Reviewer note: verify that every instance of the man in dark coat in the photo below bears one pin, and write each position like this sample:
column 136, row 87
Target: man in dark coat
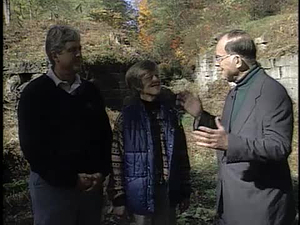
column 66, row 137
column 252, row 139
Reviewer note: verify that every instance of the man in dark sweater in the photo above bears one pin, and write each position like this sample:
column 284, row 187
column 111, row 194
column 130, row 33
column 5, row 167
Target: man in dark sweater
column 66, row 137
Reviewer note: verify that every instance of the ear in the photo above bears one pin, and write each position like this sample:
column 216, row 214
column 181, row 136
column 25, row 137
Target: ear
column 54, row 57
column 238, row 61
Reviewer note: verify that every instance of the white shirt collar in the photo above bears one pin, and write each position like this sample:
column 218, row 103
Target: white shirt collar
column 64, row 84
column 57, row 81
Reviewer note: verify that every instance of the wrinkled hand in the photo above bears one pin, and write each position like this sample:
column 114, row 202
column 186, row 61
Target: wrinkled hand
column 192, row 104
column 212, row 138
column 97, row 180
column 184, row 205
column 119, row 211
column 84, row 181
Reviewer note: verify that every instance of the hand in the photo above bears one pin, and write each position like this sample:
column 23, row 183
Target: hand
column 212, row 138
column 192, row 104
column 84, row 181
column 119, row 211
column 184, row 205
column 97, row 180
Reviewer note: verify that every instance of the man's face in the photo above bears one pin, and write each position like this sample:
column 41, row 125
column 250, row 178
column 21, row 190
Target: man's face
column 69, row 59
column 151, row 84
column 225, row 62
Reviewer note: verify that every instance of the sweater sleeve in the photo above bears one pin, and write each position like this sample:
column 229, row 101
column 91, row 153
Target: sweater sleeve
column 117, row 152
column 184, row 166
column 106, row 138
column 37, row 147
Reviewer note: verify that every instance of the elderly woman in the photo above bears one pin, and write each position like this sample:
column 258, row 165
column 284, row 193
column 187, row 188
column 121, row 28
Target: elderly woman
column 151, row 170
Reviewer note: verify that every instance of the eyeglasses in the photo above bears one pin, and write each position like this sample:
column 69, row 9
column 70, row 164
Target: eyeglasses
column 73, row 50
column 219, row 58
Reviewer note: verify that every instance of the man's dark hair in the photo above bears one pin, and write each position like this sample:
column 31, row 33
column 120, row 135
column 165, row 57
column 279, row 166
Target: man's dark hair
column 135, row 73
column 240, row 43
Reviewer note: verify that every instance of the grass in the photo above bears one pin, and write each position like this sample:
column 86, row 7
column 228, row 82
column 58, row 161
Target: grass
column 17, row 208
column 203, row 175
column 98, row 40
column 279, row 31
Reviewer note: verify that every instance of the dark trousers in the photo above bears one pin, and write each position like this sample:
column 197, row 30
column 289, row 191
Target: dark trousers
column 59, row 206
column 163, row 213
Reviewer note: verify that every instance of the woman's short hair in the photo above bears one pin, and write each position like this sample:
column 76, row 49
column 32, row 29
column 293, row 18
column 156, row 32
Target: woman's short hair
column 135, row 73
column 57, row 37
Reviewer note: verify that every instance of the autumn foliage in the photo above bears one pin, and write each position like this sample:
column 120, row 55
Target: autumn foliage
column 145, row 20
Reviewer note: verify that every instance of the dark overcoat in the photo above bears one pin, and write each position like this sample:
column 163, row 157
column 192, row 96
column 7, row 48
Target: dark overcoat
column 254, row 183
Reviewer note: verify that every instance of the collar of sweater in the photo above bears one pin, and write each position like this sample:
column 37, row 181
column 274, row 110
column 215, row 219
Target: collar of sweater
column 246, row 80
column 58, row 81
column 151, row 106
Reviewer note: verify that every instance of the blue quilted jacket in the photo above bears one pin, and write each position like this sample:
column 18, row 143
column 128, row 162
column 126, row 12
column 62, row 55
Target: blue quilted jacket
column 139, row 161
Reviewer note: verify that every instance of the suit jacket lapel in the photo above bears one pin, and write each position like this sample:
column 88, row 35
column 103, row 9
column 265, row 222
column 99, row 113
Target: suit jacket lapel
column 227, row 110
column 225, row 120
column 253, row 94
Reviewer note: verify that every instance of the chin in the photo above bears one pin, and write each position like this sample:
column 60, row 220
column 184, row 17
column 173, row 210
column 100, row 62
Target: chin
column 224, row 77
column 158, row 91
column 77, row 69
column 155, row 93
column 227, row 77
column 229, row 80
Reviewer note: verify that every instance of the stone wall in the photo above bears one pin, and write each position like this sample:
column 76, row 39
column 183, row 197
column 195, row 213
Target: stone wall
column 283, row 69
column 110, row 79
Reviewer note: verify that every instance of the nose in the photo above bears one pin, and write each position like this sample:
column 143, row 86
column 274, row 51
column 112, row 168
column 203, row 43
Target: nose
column 155, row 77
column 78, row 53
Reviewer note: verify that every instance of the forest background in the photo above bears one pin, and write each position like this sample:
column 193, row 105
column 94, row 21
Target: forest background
column 173, row 33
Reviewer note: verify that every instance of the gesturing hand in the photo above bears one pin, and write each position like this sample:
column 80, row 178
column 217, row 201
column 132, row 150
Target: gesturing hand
column 212, row 138
column 84, row 181
column 97, row 180
column 192, row 104
column 119, row 211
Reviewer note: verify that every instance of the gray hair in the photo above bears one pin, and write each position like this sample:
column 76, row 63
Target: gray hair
column 135, row 73
column 57, row 37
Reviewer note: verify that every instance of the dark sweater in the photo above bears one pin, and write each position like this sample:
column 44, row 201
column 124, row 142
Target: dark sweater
column 240, row 91
column 61, row 134
column 153, row 109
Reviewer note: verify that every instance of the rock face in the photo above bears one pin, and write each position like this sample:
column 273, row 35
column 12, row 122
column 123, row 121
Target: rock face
column 283, row 69
column 110, row 79
column 16, row 76
column 25, row 67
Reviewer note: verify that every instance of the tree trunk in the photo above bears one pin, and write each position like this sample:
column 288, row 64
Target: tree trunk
column 6, row 9
column 30, row 10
